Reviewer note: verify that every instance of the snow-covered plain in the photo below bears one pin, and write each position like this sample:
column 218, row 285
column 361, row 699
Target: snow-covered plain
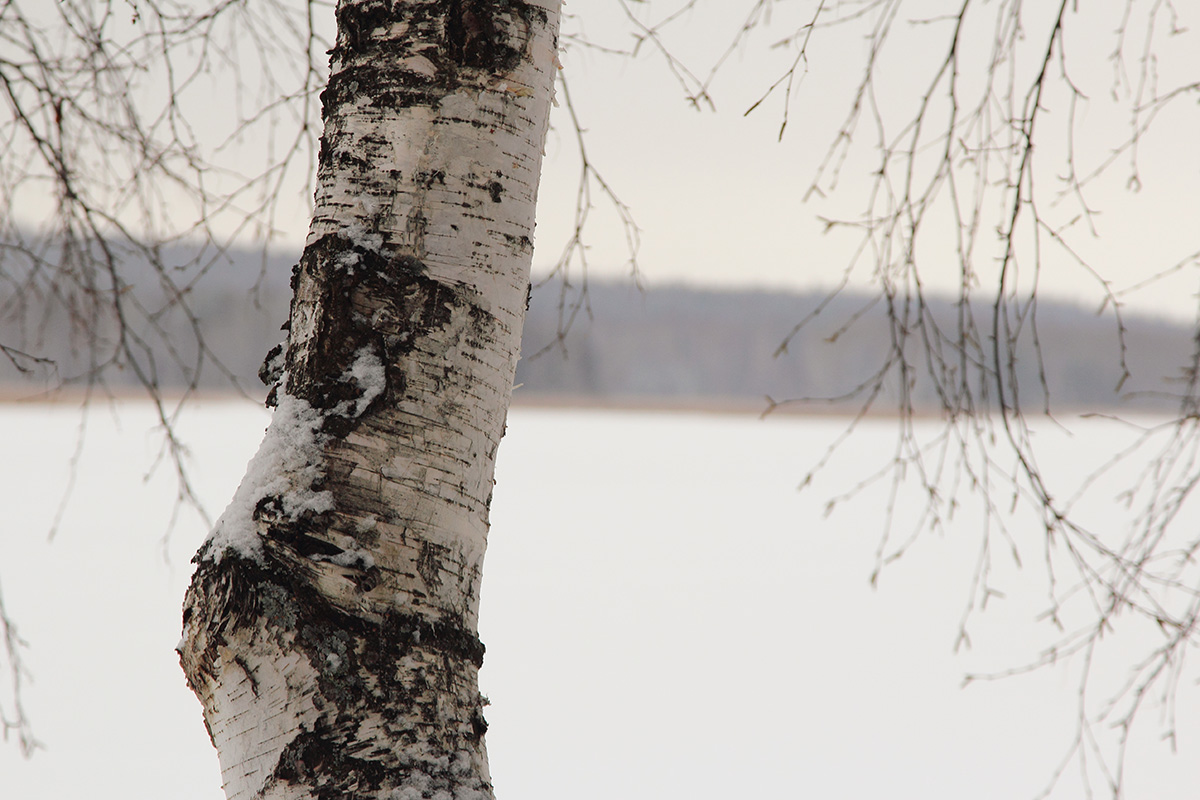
column 665, row 615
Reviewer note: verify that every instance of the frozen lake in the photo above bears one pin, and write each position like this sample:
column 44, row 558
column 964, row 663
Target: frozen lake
column 665, row 616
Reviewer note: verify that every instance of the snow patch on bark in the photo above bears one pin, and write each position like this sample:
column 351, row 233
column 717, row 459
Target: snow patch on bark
column 354, row 559
column 287, row 465
column 357, row 233
column 289, row 462
column 367, row 371
column 420, row 787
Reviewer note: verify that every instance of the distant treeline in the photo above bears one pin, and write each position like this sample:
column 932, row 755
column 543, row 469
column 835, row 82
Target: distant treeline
column 676, row 342
column 665, row 345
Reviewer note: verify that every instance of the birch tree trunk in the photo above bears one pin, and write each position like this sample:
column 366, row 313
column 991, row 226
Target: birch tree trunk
column 330, row 628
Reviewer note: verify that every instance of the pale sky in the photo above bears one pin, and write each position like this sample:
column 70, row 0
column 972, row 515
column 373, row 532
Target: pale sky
column 719, row 200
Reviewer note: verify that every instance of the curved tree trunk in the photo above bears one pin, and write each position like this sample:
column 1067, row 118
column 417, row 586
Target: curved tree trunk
column 330, row 628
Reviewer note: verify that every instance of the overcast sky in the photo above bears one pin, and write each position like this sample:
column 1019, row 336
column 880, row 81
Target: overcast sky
column 720, row 200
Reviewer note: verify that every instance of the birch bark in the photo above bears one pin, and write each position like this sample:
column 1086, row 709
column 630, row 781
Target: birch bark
column 330, row 627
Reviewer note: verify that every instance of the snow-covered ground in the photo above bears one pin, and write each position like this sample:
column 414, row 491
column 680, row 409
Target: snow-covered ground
column 665, row 615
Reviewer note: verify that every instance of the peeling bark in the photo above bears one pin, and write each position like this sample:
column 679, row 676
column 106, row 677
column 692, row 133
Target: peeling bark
column 330, row 628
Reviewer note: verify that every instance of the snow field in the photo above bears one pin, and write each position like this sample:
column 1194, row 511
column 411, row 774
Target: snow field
column 665, row 616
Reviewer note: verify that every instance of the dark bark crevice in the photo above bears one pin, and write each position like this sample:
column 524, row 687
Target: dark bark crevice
column 490, row 36
column 356, row 661
column 243, row 590
column 458, row 41
column 381, row 301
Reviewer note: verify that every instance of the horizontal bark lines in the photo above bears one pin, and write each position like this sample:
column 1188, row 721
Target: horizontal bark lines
column 338, row 656
column 328, row 703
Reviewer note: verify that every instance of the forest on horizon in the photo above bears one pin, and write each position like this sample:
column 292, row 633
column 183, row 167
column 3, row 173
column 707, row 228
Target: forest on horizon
column 616, row 343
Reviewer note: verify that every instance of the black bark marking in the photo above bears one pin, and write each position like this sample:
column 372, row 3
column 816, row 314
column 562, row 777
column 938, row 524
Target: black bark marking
column 320, row 757
column 272, row 366
column 305, row 545
column 429, row 564
column 463, row 40
column 488, row 35
column 479, row 725
column 303, row 533
column 241, row 662
column 427, row 179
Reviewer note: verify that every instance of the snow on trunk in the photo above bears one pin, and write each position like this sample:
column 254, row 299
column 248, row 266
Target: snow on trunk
column 330, row 628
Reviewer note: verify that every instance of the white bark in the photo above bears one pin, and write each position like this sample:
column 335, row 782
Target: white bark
column 330, row 631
